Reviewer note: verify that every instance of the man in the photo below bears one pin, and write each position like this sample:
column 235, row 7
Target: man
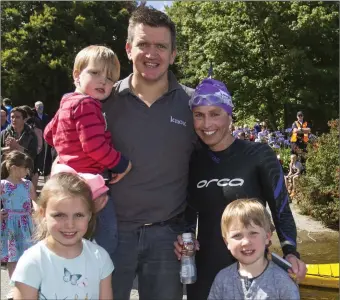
column 44, row 160
column 19, row 136
column 4, row 122
column 151, row 123
column 39, row 109
column 8, row 105
column 300, row 134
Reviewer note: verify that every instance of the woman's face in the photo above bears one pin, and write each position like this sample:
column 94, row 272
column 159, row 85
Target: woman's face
column 212, row 125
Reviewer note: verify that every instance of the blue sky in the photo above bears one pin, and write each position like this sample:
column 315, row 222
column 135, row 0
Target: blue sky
column 158, row 4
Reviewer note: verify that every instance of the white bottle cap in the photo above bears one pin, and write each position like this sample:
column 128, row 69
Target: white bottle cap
column 187, row 236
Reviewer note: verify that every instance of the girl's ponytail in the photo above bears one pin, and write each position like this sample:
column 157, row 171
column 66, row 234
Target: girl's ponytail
column 4, row 170
column 14, row 158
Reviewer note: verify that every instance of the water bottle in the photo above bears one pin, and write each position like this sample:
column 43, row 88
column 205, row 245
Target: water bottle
column 188, row 267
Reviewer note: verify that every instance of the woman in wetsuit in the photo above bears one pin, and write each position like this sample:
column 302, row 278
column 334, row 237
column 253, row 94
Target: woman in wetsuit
column 225, row 169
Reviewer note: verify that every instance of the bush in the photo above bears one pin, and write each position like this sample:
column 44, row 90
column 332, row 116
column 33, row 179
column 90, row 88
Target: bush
column 317, row 192
column 284, row 156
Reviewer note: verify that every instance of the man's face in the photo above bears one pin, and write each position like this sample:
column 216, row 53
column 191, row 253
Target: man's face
column 300, row 117
column 151, row 52
column 39, row 108
column 17, row 119
column 3, row 117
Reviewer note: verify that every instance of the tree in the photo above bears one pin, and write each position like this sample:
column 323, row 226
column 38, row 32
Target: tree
column 268, row 53
column 40, row 41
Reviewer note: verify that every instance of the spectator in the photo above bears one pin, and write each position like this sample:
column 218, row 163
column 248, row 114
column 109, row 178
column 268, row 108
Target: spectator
column 4, row 122
column 18, row 135
column 39, row 111
column 300, row 134
column 241, row 135
column 45, row 156
column 295, row 170
column 34, row 123
column 8, row 105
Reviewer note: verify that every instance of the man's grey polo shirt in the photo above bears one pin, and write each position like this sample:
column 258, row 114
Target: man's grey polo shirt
column 159, row 141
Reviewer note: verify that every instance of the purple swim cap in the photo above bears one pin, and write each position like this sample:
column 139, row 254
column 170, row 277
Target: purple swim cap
column 211, row 92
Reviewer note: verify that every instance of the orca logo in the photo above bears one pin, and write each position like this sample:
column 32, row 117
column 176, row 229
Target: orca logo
column 221, row 182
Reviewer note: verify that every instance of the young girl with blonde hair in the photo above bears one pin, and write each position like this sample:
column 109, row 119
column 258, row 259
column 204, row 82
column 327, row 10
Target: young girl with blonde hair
column 63, row 264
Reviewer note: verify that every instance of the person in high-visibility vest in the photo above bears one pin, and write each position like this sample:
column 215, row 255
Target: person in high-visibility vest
column 300, row 134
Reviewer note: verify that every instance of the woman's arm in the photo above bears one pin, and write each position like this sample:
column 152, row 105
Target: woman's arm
column 24, row 292
column 105, row 290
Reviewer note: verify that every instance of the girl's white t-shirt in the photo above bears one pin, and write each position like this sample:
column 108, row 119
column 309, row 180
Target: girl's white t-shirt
column 60, row 278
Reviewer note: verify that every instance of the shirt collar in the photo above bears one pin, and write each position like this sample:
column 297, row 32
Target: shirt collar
column 124, row 86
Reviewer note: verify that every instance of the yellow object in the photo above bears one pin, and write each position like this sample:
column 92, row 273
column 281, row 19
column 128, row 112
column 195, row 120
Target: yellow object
column 322, row 275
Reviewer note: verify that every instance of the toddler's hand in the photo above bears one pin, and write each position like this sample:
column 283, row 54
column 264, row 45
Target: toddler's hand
column 116, row 177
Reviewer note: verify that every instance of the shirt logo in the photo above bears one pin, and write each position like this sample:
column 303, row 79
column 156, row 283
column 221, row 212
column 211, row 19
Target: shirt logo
column 176, row 121
column 221, row 182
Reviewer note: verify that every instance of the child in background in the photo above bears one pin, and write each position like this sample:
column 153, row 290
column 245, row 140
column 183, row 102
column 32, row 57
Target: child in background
column 295, row 170
column 247, row 230
column 64, row 265
column 79, row 134
column 16, row 195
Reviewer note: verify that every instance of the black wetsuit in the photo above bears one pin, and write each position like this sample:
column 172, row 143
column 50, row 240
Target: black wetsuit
column 244, row 170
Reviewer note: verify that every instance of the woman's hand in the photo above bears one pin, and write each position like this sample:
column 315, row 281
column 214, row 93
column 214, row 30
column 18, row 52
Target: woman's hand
column 298, row 267
column 179, row 245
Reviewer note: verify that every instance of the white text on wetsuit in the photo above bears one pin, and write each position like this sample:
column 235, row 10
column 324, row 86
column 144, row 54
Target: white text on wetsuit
column 221, row 182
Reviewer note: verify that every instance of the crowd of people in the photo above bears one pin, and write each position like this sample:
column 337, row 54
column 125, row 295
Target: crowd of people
column 139, row 162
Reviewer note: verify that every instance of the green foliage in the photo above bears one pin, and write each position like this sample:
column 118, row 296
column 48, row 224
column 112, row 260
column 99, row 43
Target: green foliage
column 268, row 53
column 318, row 190
column 284, row 156
column 40, row 41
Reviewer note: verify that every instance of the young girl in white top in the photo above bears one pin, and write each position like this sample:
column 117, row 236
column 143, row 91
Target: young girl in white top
column 64, row 265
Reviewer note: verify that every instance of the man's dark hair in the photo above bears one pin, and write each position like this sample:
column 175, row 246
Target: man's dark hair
column 7, row 101
column 29, row 111
column 20, row 110
column 4, row 109
column 153, row 18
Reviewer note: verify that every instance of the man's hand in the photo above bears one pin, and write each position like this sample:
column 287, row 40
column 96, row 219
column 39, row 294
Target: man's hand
column 179, row 245
column 298, row 267
column 100, row 202
column 116, row 177
column 12, row 143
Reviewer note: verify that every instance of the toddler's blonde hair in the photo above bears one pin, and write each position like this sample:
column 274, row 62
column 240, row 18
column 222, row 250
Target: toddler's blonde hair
column 98, row 53
column 246, row 211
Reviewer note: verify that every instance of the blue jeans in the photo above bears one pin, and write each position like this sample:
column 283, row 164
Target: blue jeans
column 149, row 253
column 105, row 233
